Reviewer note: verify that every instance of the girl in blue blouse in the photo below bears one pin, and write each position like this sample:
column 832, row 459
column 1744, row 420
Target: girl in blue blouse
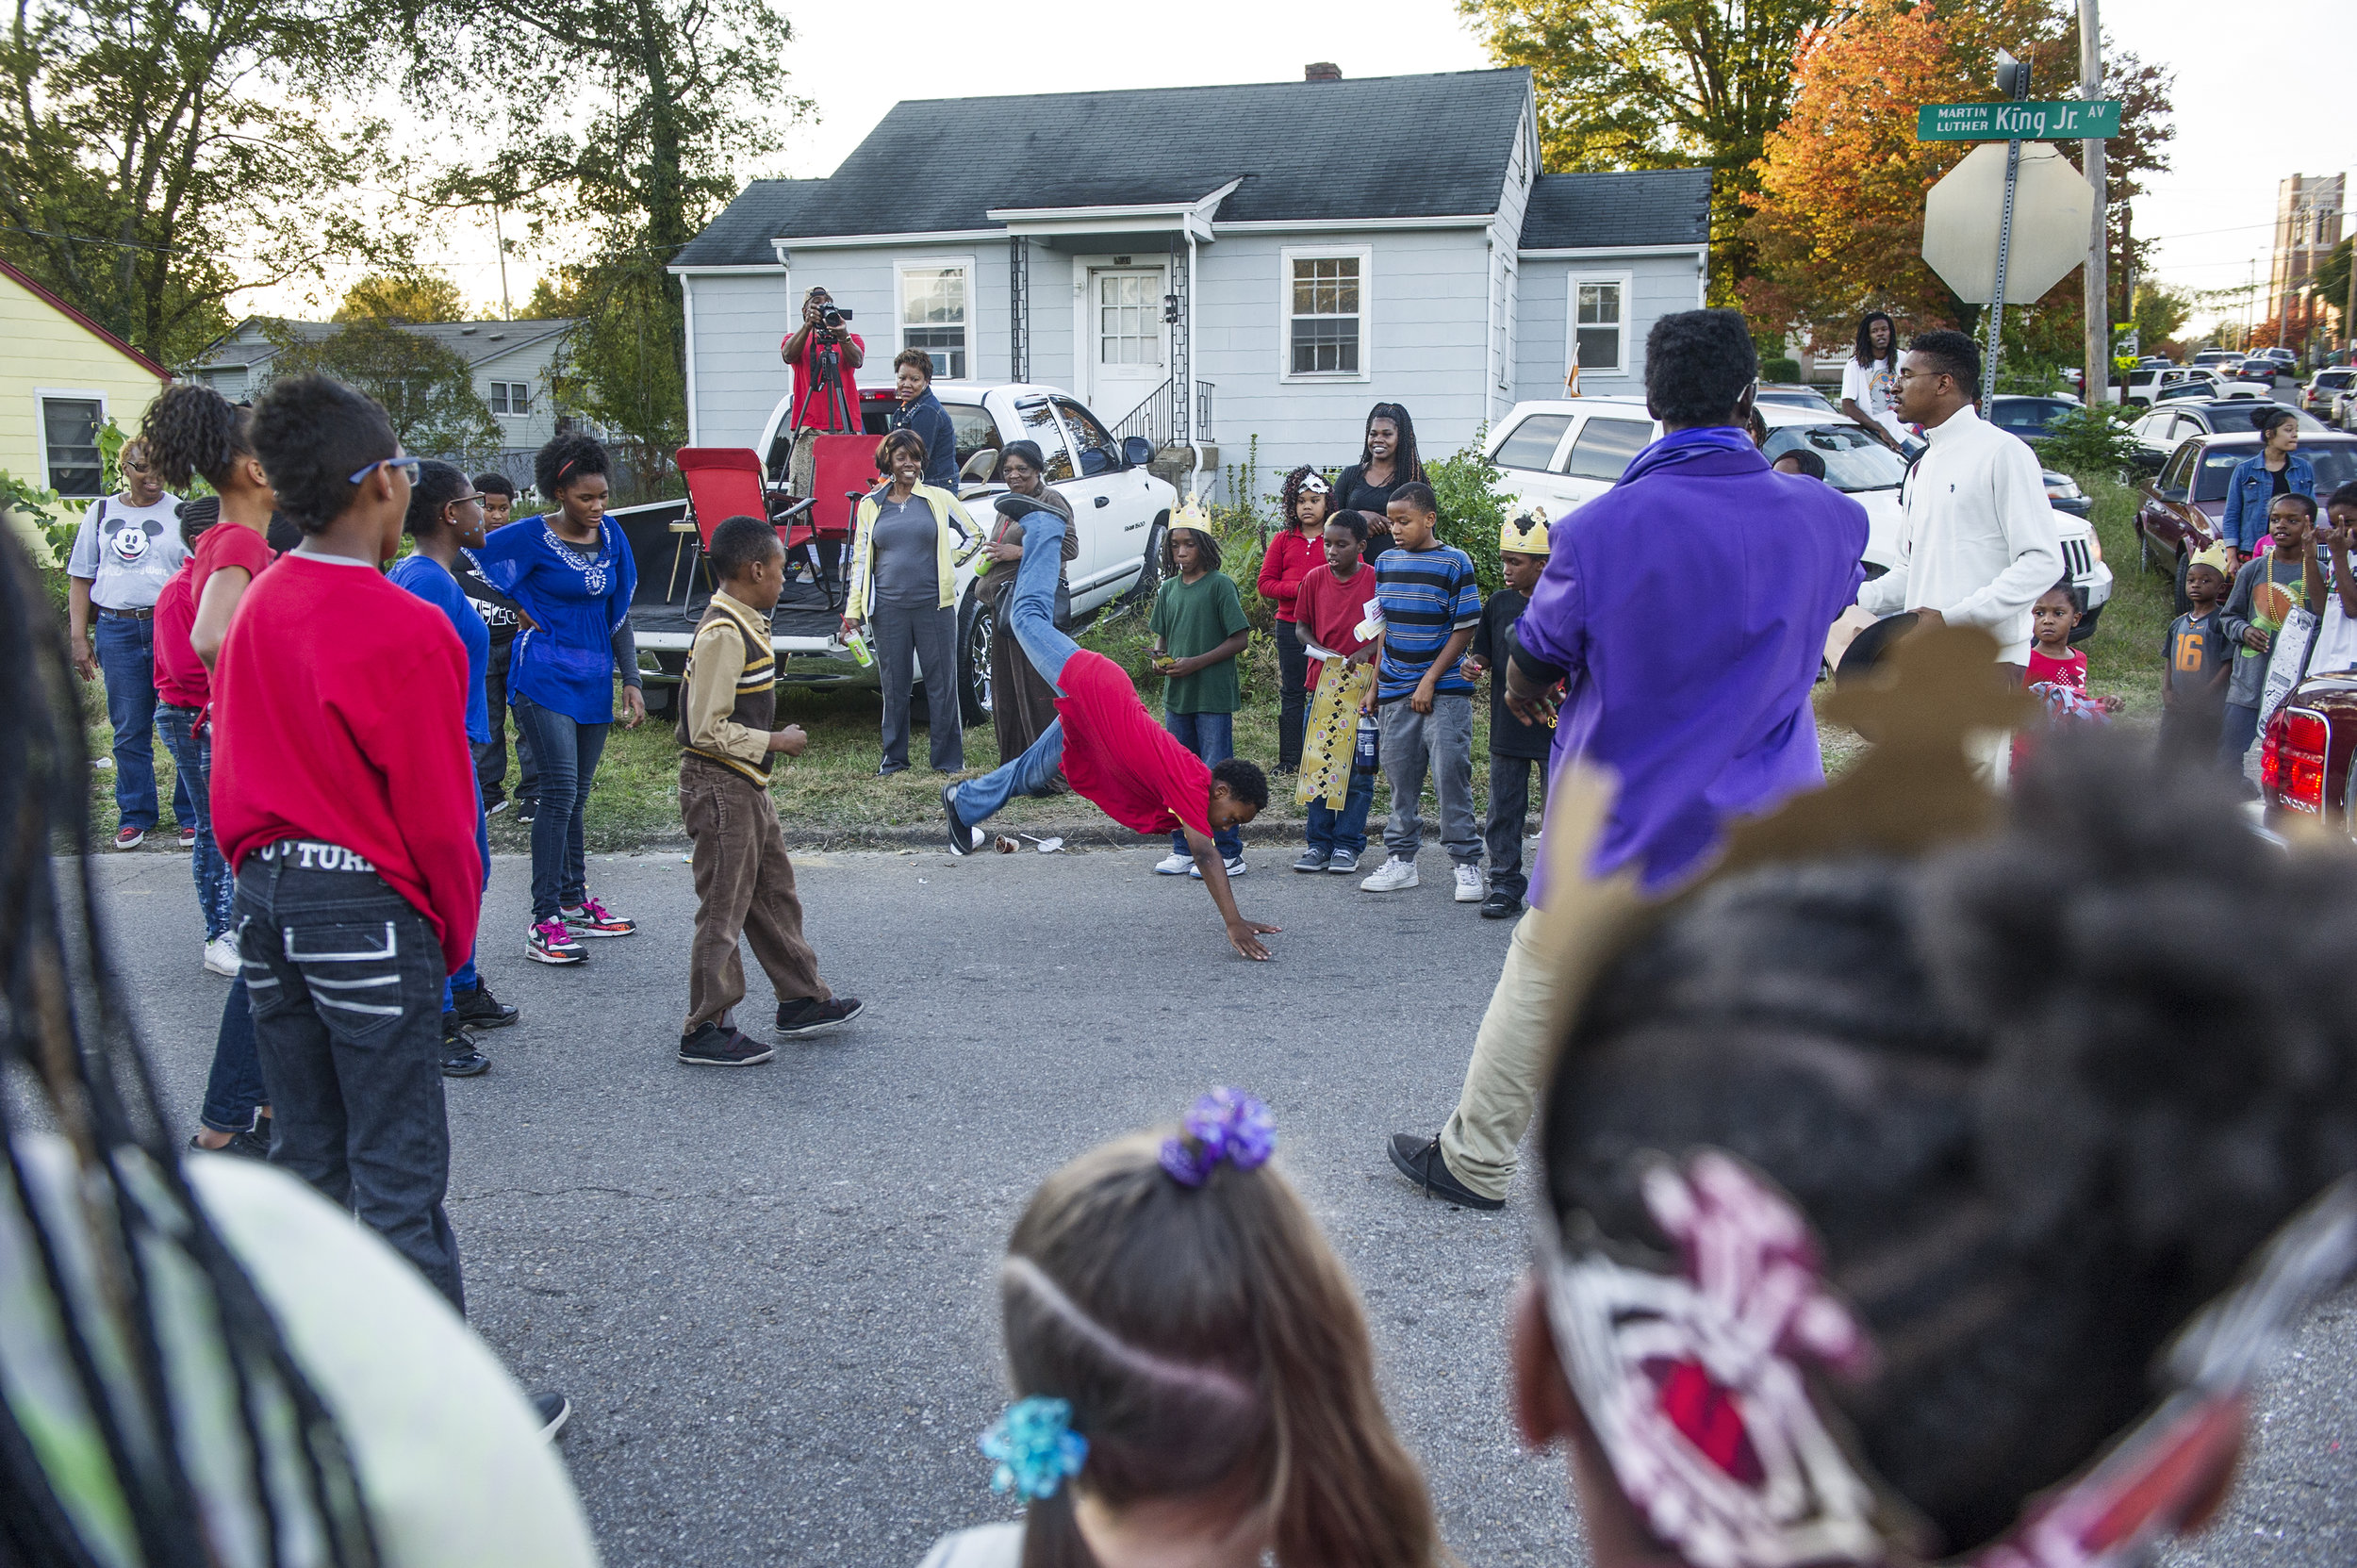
column 572, row 572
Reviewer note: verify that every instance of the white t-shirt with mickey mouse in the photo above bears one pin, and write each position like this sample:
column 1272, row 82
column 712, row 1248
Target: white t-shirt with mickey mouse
column 127, row 554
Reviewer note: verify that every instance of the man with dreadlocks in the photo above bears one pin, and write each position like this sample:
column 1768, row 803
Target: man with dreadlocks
column 172, row 1333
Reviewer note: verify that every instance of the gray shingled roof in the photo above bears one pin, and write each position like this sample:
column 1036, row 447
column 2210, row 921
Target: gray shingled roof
column 1645, row 206
column 1307, row 152
column 474, row 341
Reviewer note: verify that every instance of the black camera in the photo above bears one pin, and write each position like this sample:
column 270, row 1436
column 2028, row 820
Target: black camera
column 833, row 317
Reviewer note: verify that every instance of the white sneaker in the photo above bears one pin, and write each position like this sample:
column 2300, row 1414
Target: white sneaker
column 1471, row 889
column 1174, row 866
column 1236, row 867
column 221, row 955
column 1392, row 876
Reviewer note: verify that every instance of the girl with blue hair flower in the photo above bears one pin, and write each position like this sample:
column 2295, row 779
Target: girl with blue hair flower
column 1191, row 1371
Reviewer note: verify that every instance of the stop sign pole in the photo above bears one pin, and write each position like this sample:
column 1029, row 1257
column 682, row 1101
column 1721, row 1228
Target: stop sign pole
column 2013, row 82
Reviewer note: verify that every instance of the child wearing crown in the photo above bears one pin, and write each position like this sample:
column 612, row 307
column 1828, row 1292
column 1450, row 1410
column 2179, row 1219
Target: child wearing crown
column 1516, row 745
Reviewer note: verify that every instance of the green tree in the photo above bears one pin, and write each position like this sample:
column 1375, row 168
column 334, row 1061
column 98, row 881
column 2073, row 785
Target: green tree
column 2159, row 313
column 157, row 156
column 402, row 296
column 622, row 367
column 426, row 389
column 1659, row 85
column 2331, row 281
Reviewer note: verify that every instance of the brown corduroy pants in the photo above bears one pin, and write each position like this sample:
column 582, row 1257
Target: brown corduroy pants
column 744, row 888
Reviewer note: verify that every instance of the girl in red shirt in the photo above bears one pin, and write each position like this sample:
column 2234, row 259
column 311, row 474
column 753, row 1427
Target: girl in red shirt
column 1287, row 559
column 193, row 429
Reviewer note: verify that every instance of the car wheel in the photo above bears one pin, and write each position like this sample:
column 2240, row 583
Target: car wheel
column 2144, row 550
column 1150, row 574
column 2184, row 564
column 977, row 626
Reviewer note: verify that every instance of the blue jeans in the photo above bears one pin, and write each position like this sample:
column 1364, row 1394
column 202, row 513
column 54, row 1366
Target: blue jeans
column 464, row 978
column 567, row 752
column 1330, row 830
column 346, row 978
column 1032, row 617
column 193, row 758
column 234, row 1089
column 1212, row 737
column 126, row 656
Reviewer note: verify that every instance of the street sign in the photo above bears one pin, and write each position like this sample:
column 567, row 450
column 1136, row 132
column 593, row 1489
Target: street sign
column 2072, row 120
column 1964, row 213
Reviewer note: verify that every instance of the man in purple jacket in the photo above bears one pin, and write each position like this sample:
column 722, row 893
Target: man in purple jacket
column 1687, row 609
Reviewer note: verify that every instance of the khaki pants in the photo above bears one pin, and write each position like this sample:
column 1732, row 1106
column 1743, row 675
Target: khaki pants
column 1510, row 1056
column 744, row 887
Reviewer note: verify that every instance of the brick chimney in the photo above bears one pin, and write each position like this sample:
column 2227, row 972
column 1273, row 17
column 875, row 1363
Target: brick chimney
column 1322, row 71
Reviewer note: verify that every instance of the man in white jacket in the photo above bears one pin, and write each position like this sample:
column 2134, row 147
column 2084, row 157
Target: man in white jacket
column 1980, row 544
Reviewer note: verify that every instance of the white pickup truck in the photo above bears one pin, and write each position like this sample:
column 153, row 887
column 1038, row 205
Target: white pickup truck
column 1120, row 511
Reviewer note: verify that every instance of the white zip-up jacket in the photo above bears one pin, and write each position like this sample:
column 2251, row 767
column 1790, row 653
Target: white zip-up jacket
column 1980, row 543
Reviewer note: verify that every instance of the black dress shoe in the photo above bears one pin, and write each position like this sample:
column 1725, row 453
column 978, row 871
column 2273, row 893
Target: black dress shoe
column 1418, row 1159
column 1500, row 906
column 479, row 1009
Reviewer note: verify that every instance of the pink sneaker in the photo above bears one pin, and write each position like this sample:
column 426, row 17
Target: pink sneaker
column 550, row 942
column 592, row 918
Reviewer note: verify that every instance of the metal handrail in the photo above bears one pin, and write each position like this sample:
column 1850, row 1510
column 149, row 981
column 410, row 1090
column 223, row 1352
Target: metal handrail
column 1157, row 417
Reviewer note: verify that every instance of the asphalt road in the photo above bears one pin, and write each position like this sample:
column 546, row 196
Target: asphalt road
column 769, row 1290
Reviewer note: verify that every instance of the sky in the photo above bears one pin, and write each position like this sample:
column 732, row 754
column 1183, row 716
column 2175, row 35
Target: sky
column 2212, row 213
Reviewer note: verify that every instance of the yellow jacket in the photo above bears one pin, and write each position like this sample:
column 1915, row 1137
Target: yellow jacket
column 945, row 535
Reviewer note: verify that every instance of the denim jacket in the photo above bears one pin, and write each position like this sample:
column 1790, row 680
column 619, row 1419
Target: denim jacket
column 2250, row 492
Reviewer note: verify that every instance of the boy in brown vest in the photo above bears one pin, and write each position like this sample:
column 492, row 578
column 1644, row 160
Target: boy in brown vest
column 744, row 883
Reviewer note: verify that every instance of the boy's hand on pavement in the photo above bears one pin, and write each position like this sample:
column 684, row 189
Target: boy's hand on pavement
column 791, row 741
column 1244, row 935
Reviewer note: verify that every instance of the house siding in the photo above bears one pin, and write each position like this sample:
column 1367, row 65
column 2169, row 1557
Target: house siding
column 1659, row 285
column 44, row 349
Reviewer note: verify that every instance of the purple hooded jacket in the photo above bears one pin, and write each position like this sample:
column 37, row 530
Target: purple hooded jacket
column 1689, row 607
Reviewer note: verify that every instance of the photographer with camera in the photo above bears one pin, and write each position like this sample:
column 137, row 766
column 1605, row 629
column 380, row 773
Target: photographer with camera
column 824, row 352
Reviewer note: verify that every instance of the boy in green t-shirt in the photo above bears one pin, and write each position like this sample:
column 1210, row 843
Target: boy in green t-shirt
column 1199, row 628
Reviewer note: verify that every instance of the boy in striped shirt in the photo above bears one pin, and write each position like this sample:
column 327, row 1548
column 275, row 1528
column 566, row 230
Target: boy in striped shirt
column 1431, row 604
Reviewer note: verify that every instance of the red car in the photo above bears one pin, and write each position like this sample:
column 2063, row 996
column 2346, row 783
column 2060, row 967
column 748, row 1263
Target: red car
column 2304, row 753
column 2178, row 515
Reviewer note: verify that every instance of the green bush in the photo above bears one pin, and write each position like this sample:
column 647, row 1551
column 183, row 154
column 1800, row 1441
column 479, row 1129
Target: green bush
column 1779, row 370
column 1472, row 503
column 2094, row 439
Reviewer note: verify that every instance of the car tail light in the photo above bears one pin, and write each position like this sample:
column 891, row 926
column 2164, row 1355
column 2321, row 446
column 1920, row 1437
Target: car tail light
column 2291, row 760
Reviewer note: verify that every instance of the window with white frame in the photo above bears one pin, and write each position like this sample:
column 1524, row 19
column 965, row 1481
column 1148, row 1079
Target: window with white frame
column 1599, row 323
column 1326, row 313
column 933, row 314
column 69, row 424
column 511, row 397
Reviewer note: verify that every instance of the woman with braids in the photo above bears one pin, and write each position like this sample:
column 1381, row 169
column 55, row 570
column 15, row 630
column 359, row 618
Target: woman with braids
column 201, row 1362
column 1386, row 461
column 1192, row 1377
column 191, row 430
column 1299, row 546
column 573, row 574
column 1876, row 1192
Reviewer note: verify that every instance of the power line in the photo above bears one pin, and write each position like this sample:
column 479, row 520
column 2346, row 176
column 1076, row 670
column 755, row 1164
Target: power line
column 91, row 239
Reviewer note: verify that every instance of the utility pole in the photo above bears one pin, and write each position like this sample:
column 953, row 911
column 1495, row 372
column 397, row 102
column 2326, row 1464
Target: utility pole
column 2097, row 294
column 507, row 311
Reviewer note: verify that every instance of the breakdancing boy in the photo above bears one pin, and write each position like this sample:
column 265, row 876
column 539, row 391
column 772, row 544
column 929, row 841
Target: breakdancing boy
column 1108, row 748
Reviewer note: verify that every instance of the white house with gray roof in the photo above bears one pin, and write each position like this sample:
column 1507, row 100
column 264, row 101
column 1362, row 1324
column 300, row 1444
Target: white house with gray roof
column 510, row 361
column 1210, row 263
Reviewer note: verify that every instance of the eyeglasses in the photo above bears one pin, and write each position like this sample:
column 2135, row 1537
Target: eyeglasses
column 462, row 500
column 408, row 465
column 130, row 467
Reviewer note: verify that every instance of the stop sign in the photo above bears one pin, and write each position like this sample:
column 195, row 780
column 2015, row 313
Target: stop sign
column 2051, row 210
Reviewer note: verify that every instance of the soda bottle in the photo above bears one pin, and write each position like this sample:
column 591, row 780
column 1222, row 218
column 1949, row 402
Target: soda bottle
column 857, row 643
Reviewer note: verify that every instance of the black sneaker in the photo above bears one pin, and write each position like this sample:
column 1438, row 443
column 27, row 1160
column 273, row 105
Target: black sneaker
column 459, row 1057
column 806, row 1016
column 479, row 1009
column 1418, row 1159
column 524, row 810
column 710, row 1046
column 553, row 1409
column 252, row 1144
column 1500, row 906
column 961, row 836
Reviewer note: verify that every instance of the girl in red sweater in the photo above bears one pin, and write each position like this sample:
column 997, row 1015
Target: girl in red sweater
column 1287, row 559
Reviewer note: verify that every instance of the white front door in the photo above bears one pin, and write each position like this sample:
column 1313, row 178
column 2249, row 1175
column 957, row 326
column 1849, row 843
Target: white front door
column 1128, row 346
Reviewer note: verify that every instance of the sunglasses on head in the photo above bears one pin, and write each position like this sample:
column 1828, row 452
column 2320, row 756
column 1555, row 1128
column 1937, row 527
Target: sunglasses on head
column 408, row 465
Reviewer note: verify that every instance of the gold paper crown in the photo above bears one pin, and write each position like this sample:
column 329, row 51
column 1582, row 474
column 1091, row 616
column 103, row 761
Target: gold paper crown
column 1524, row 533
column 1192, row 514
column 1912, row 793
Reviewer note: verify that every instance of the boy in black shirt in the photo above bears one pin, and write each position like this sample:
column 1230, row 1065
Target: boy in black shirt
column 1514, row 746
column 2193, row 687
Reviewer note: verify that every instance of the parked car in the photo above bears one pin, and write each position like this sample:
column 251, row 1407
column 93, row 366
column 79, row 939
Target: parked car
column 1794, row 394
column 2154, row 362
column 2178, row 512
column 2027, row 417
column 1120, row 513
column 2306, row 751
column 2216, row 358
column 2158, row 433
column 2146, row 383
column 2344, row 412
column 1561, row 453
column 2210, row 391
column 2316, row 397
column 2279, row 357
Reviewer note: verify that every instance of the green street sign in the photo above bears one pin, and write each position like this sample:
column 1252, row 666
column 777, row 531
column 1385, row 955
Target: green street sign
column 2070, row 120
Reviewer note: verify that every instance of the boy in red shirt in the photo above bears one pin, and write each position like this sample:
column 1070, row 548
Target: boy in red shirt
column 343, row 797
column 1107, row 747
column 1334, row 600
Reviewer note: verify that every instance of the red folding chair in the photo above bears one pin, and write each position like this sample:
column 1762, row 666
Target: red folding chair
column 727, row 482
